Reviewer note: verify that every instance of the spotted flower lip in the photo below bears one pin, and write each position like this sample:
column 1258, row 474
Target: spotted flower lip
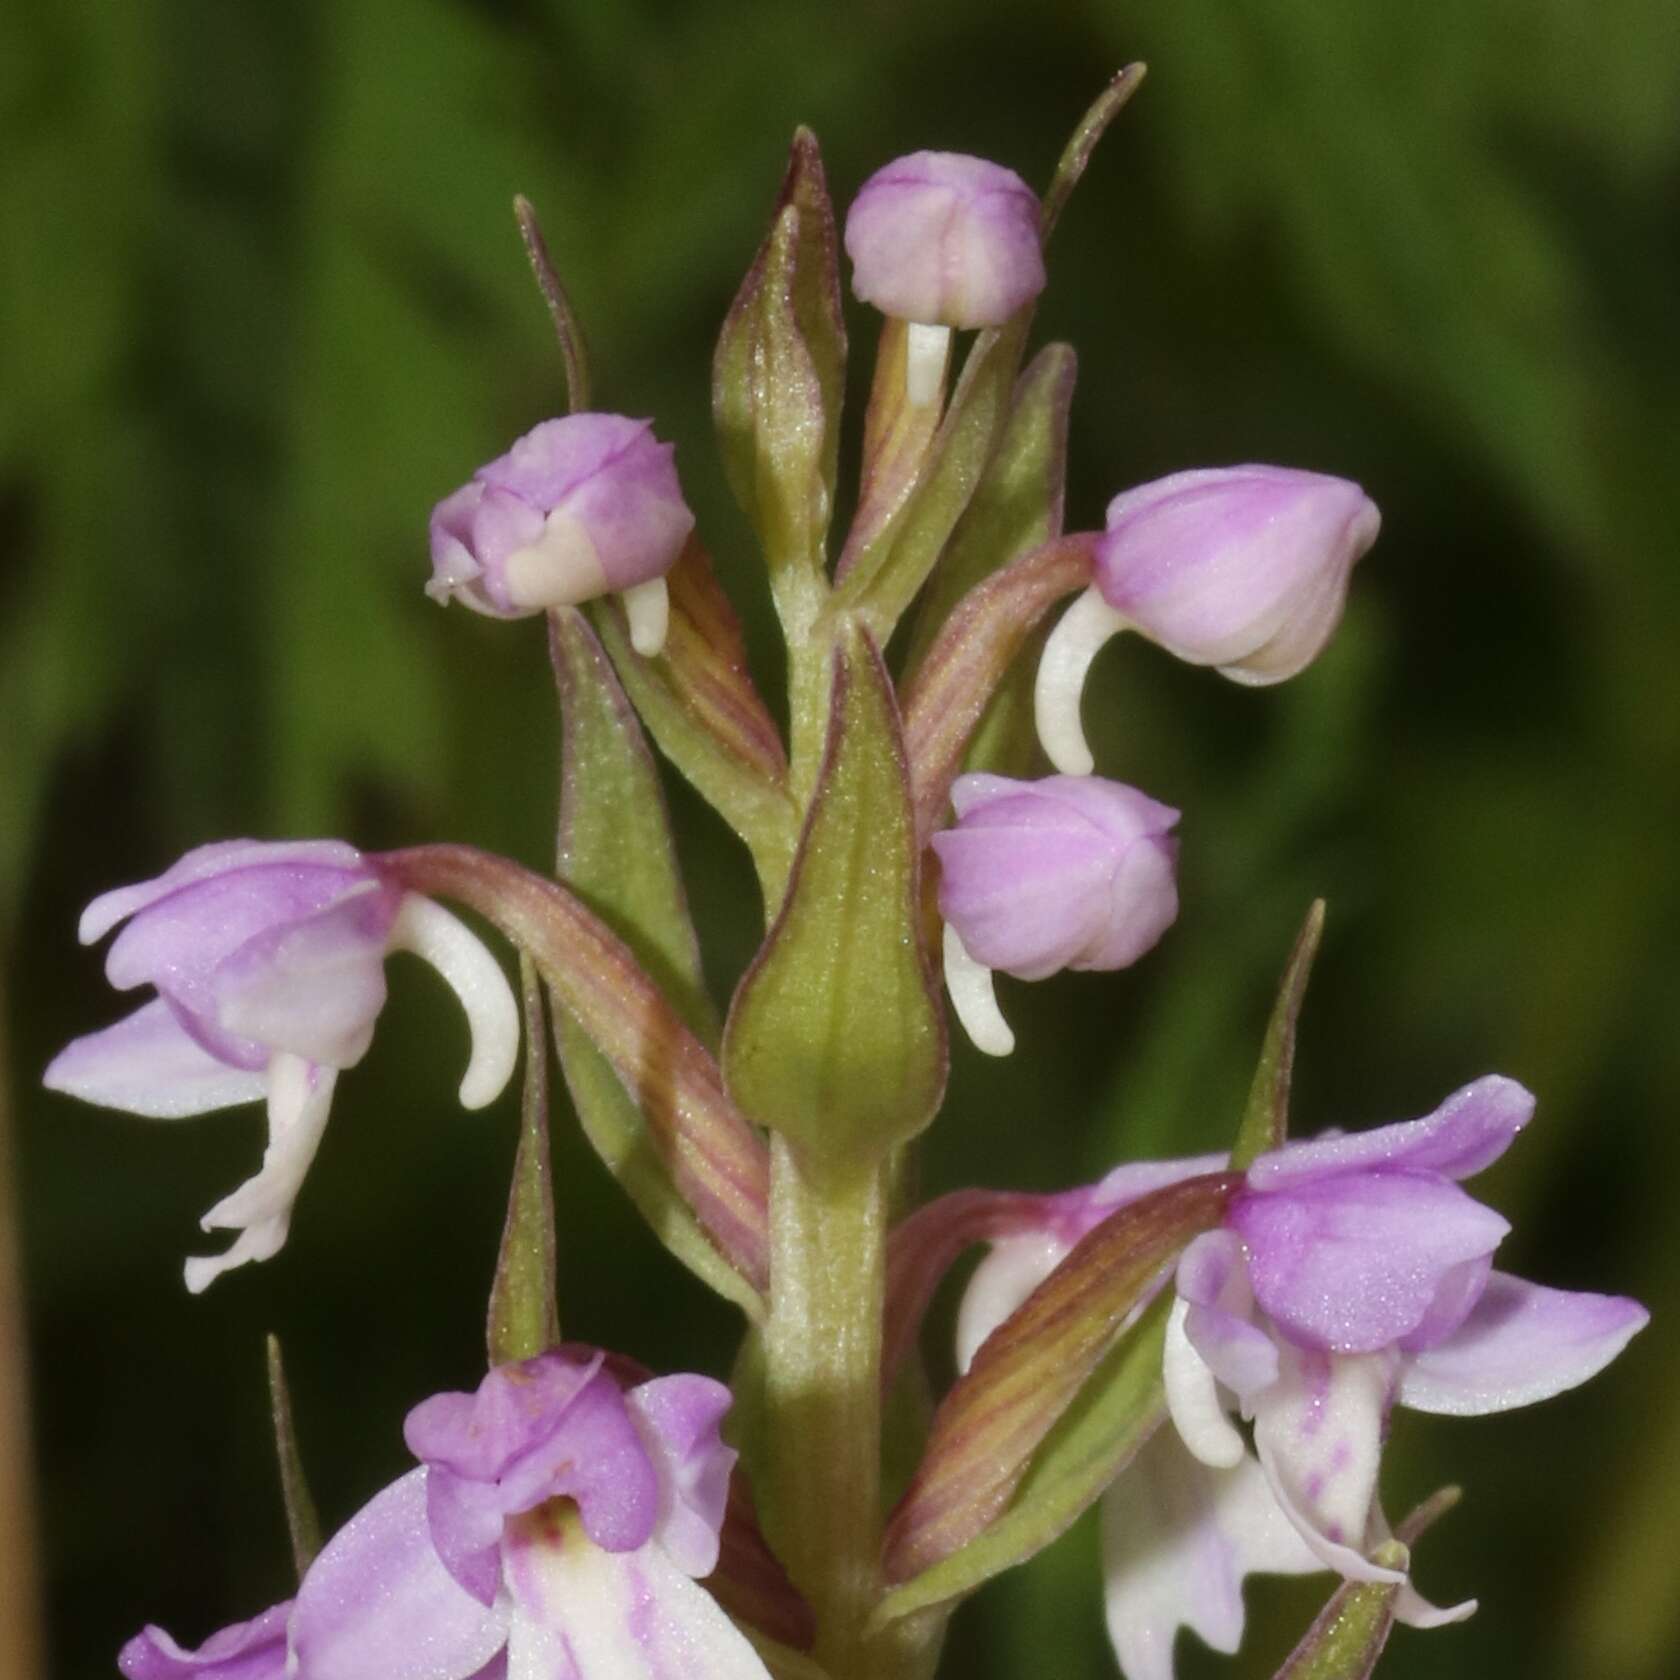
column 1065, row 872
column 1243, row 568
column 268, row 962
column 945, row 239
column 579, row 507
column 557, row 1524
column 1351, row 1274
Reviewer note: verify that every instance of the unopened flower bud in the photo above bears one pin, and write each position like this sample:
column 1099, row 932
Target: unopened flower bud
column 943, row 240
column 1242, row 568
column 1068, row 872
column 579, row 507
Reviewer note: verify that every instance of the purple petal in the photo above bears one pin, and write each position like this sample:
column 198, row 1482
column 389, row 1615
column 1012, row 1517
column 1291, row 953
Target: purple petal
column 1457, row 1293
column 179, row 943
column 1522, row 1343
column 1318, row 1430
column 534, row 1432
column 254, row 1650
column 678, row 1418
column 218, row 858
column 1178, row 1539
column 148, row 1064
column 1355, row 1261
column 1470, row 1130
column 379, row 1602
column 579, row 1613
column 313, row 985
column 1213, row 1282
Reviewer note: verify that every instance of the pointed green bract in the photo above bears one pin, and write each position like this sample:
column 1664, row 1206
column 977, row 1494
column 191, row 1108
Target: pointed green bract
column 778, row 378
column 566, row 329
column 1077, row 153
column 886, row 576
column 1265, row 1121
column 1018, row 504
column 303, row 1525
column 698, row 699
column 610, row 791
column 1031, row 1369
column 524, row 1317
column 1091, row 1443
column 836, row 1038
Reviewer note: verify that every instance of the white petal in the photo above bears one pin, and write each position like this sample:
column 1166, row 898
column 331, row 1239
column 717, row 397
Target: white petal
column 973, row 997
column 1078, row 637
column 580, row 1613
column 299, row 1100
column 149, row 1064
column 1193, row 1398
column 647, row 607
column 476, row 978
column 1178, row 1539
column 1001, row 1282
column 561, row 568
column 1412, row 1608
column 1318, row 1430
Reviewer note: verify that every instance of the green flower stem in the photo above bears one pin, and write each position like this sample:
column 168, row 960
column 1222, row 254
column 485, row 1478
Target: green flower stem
column 828, row 1224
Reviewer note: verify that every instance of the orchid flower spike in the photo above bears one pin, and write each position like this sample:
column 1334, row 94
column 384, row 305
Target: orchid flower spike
column 268, row 959
column 943, row 240
column 557, row 1525
column 1351, row 1273
column 1067, row 872
column 1242, row 568
column 578, row 507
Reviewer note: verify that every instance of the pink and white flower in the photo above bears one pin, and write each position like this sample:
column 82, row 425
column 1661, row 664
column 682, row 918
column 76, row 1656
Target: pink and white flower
column 268, row 959
column 579, row 507
column 1351, row 1274
column 557, row 1526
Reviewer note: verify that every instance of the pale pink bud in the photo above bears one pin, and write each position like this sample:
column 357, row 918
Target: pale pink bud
column 1242, row 568
column 1068, row 872
column 579, row 507
column 944, row 239
column 1245, row 568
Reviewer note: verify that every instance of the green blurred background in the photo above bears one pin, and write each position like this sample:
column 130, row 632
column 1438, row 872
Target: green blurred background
column 263, row 303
